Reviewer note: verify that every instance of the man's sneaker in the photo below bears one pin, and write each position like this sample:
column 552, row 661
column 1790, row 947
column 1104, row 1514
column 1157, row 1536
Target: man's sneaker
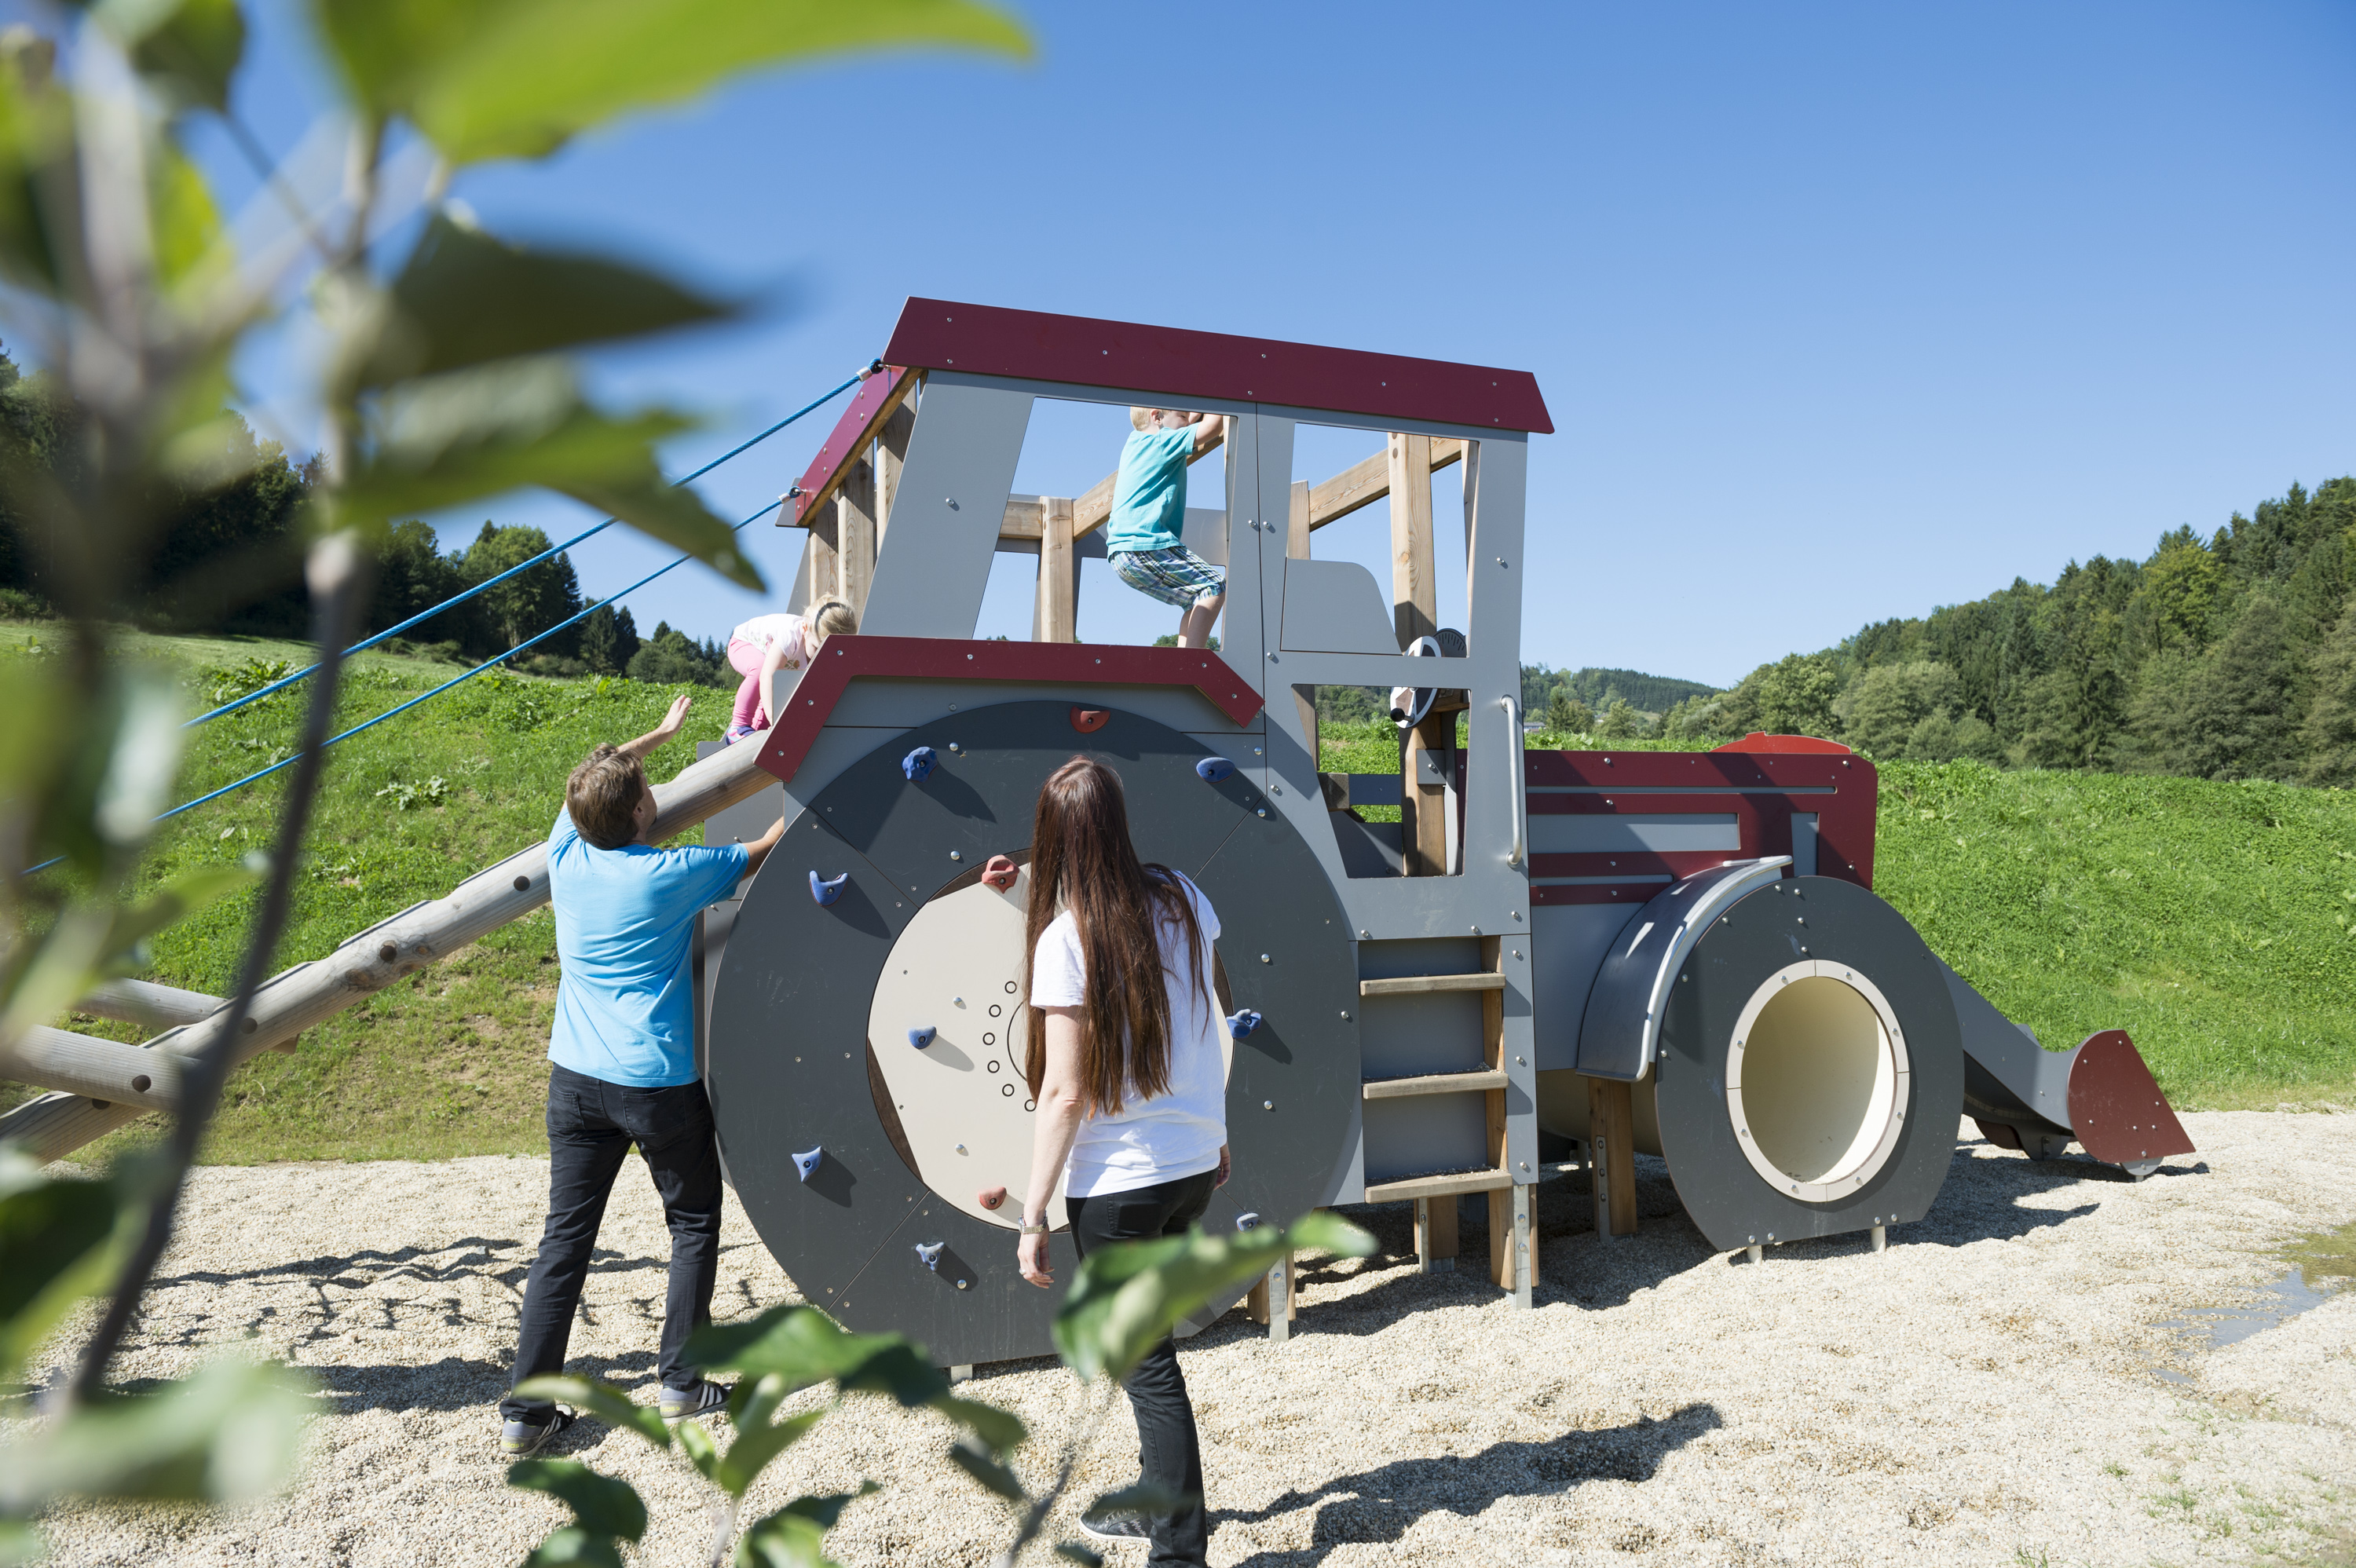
column 678, row 1403
column 1129, row 1529
column 525, row 1438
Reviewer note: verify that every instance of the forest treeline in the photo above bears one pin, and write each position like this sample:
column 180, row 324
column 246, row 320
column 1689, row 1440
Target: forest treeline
column 226, row 556
column 2232, row 656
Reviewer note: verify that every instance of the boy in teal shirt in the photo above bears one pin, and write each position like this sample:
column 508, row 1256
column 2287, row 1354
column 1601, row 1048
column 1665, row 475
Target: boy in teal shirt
column 1143, row 537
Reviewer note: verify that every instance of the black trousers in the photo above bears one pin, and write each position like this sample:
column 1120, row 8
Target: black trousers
column 591, row 1125
column 1168, row 1452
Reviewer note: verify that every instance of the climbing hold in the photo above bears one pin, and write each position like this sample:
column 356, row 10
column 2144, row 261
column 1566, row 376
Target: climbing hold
column 991, row 1198
column 1247, row 1221
column 826, row 890
column 1242, row 1024
column 1213, row 769
column 1088, row 721
column 805, row 1163
column 1000, row 872
column 921, row 1037
column 919, row 763
column 929, row 1254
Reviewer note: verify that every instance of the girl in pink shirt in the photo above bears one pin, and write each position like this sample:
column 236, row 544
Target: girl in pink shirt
column 769, row 646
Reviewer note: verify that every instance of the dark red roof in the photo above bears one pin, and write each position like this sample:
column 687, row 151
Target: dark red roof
column 985, row 340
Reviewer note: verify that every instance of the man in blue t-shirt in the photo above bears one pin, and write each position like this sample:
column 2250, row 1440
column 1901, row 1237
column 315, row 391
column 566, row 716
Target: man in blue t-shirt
column 1144, row 533
column 622, row 1066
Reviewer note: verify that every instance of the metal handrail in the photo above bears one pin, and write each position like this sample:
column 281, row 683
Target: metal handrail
column 1518, row 797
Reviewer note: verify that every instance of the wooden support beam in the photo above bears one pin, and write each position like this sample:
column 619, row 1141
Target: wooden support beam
column 1365, row 483
column 1432, row 1084
column 1612, row 1162
column 1502, row 1254
column 1437, row 1186
column 100, row 1070
column 1415, row 601
column 1423, row 984
column 1435, row 1234
column 293, row 1000
column 856, row 534
column 1423, row 803
column 1056, row 612
column 145, row 1002
column 891, row 456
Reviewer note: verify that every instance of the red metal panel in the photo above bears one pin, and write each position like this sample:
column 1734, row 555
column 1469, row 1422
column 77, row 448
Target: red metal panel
column 1675, row 782
column 849, row 658
column 2117, row 1111
column 985, row 340
column 850, row 437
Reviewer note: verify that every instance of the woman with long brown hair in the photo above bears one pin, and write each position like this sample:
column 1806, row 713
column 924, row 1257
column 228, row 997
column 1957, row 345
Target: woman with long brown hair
column 1130, row 1074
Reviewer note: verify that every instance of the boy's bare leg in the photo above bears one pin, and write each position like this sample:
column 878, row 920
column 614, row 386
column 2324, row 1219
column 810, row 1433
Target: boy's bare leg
column 1194, row 630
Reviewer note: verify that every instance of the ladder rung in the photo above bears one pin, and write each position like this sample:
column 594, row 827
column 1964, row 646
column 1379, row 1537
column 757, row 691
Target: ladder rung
column 1433, row 1083
column 1438, row 1186
column 1419, row 985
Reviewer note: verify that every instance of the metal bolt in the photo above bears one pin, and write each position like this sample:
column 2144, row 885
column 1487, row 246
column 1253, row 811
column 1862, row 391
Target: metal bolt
column 955, row 855
column 960, row 1148
column 961, row 1285
column 1264, row 959
column 1261, row 812
column 1268, row 1104
column 1345, row 1017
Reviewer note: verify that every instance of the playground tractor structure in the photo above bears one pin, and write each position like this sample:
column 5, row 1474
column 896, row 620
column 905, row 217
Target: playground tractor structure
column 1553, row 958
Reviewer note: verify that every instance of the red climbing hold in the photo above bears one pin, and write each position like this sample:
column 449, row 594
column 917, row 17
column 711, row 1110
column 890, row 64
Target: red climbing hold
column 999, row 873
column 992, row 1197
column 1088, row 721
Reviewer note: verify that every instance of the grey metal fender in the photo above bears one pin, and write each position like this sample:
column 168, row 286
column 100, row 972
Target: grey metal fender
column 1619, row 1032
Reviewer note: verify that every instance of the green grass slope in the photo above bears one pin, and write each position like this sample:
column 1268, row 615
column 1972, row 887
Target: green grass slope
column 2210, row 921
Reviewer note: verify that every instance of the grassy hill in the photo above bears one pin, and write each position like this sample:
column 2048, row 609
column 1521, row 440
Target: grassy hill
column 2212, row 921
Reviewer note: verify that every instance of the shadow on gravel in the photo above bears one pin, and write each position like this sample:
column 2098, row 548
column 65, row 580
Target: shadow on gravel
column 1382, row 1504
column 455, row 1382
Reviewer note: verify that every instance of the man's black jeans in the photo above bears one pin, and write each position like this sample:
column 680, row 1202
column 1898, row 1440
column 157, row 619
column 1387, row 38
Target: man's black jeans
column 1168, row 1452
column 591, row 1125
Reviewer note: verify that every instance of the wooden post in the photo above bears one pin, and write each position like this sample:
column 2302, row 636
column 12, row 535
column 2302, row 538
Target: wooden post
column 1424, row 802
column 891, row 456
column 1611, row 1159
column 1502, row 1253
column 1415, row 602
column 1296, row 547
column 1057, row 604
column 855, row 534
column 1435, row 1234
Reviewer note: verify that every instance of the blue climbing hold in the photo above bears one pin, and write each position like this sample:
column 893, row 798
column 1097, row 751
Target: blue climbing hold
column 805, row 1163
column 919, row 763
column 929, row 1253
column 1213, row 769
column 826, row 890
column 1242, row 1024
column 1247, row 1221
column 921, row 1037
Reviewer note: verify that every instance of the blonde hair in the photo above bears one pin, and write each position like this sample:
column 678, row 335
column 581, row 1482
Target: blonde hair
column 829, row 616
column 602, row 796
column 1142, row 419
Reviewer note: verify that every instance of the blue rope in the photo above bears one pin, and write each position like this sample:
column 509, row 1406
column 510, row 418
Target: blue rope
column 456, row 600
column 389, row 713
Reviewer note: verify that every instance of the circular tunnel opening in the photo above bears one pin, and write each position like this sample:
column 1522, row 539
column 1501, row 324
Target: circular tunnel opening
column 1816, row 1085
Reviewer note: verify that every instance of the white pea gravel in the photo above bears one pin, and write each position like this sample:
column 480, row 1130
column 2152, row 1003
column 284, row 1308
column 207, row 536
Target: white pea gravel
column 1986, row 1391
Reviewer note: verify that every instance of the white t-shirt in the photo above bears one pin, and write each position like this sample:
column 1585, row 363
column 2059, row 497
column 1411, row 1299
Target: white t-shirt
column 1174, row 1134
column 765, row 631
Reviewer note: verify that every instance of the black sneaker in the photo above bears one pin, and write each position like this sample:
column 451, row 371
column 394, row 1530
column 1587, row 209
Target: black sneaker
column 706, row 1396
column 522, row 1439
column 1131, row 1528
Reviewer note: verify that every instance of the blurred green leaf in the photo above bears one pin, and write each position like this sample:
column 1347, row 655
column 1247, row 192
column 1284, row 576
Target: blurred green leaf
column 95, row 942
column 602, row 1504
column 20, row 1542
column 470, row 433
column 466, row 298
column 574, row 1544
column 800, row 1345
column 603, row 1401
column 184, row 223
column 1139, row 1502
column 491, row 79
column 189, row 48
column 755, row 1447
column 702, row 1450
column 53, row 1251
column 1128, row 1296
column 998, row 1430
column 230, row 1434
column 38, row 245
column 1073, row 1552
column 988, row 1471
column 795, row 1536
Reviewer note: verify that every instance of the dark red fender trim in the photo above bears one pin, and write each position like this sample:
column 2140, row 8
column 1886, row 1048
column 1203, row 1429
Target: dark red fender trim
column 1760, row 740
column 848, row 659
column 2117, row 1111
column 1761, row 789
column 877, row 398
column 985, row 340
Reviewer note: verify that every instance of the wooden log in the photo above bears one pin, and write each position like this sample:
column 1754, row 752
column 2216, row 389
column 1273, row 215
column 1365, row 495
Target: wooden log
column 1611, row 1166
column 1436, row 1245
column 1415, row 603
column 294, row 999
column 891, row 456
column 82, row 1065
column 1423, row 984
column 1056, row 612
column 145, row 1002
column 1493, row 1050
column 1432, row 1084
column 856, row 534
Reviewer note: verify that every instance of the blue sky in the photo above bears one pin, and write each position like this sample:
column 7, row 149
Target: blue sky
column 1843, row 311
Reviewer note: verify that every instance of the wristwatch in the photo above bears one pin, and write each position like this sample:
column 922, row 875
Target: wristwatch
column 1030, row 1230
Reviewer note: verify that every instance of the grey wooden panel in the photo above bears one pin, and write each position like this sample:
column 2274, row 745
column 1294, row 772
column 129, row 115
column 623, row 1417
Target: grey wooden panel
column 1403, row 1037
column 1205, row 534
column 935, row 564
column 1334, row 607
column 1803, row 844
column 1667, row 832
column 1570, row 944
column 1419, row 1137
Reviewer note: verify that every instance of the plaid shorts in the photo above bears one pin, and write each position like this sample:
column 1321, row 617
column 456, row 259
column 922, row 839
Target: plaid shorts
column 1175, row 576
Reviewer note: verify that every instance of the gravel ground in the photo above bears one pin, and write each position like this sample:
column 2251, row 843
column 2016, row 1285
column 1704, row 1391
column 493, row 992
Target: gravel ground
column 1986, row 1391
